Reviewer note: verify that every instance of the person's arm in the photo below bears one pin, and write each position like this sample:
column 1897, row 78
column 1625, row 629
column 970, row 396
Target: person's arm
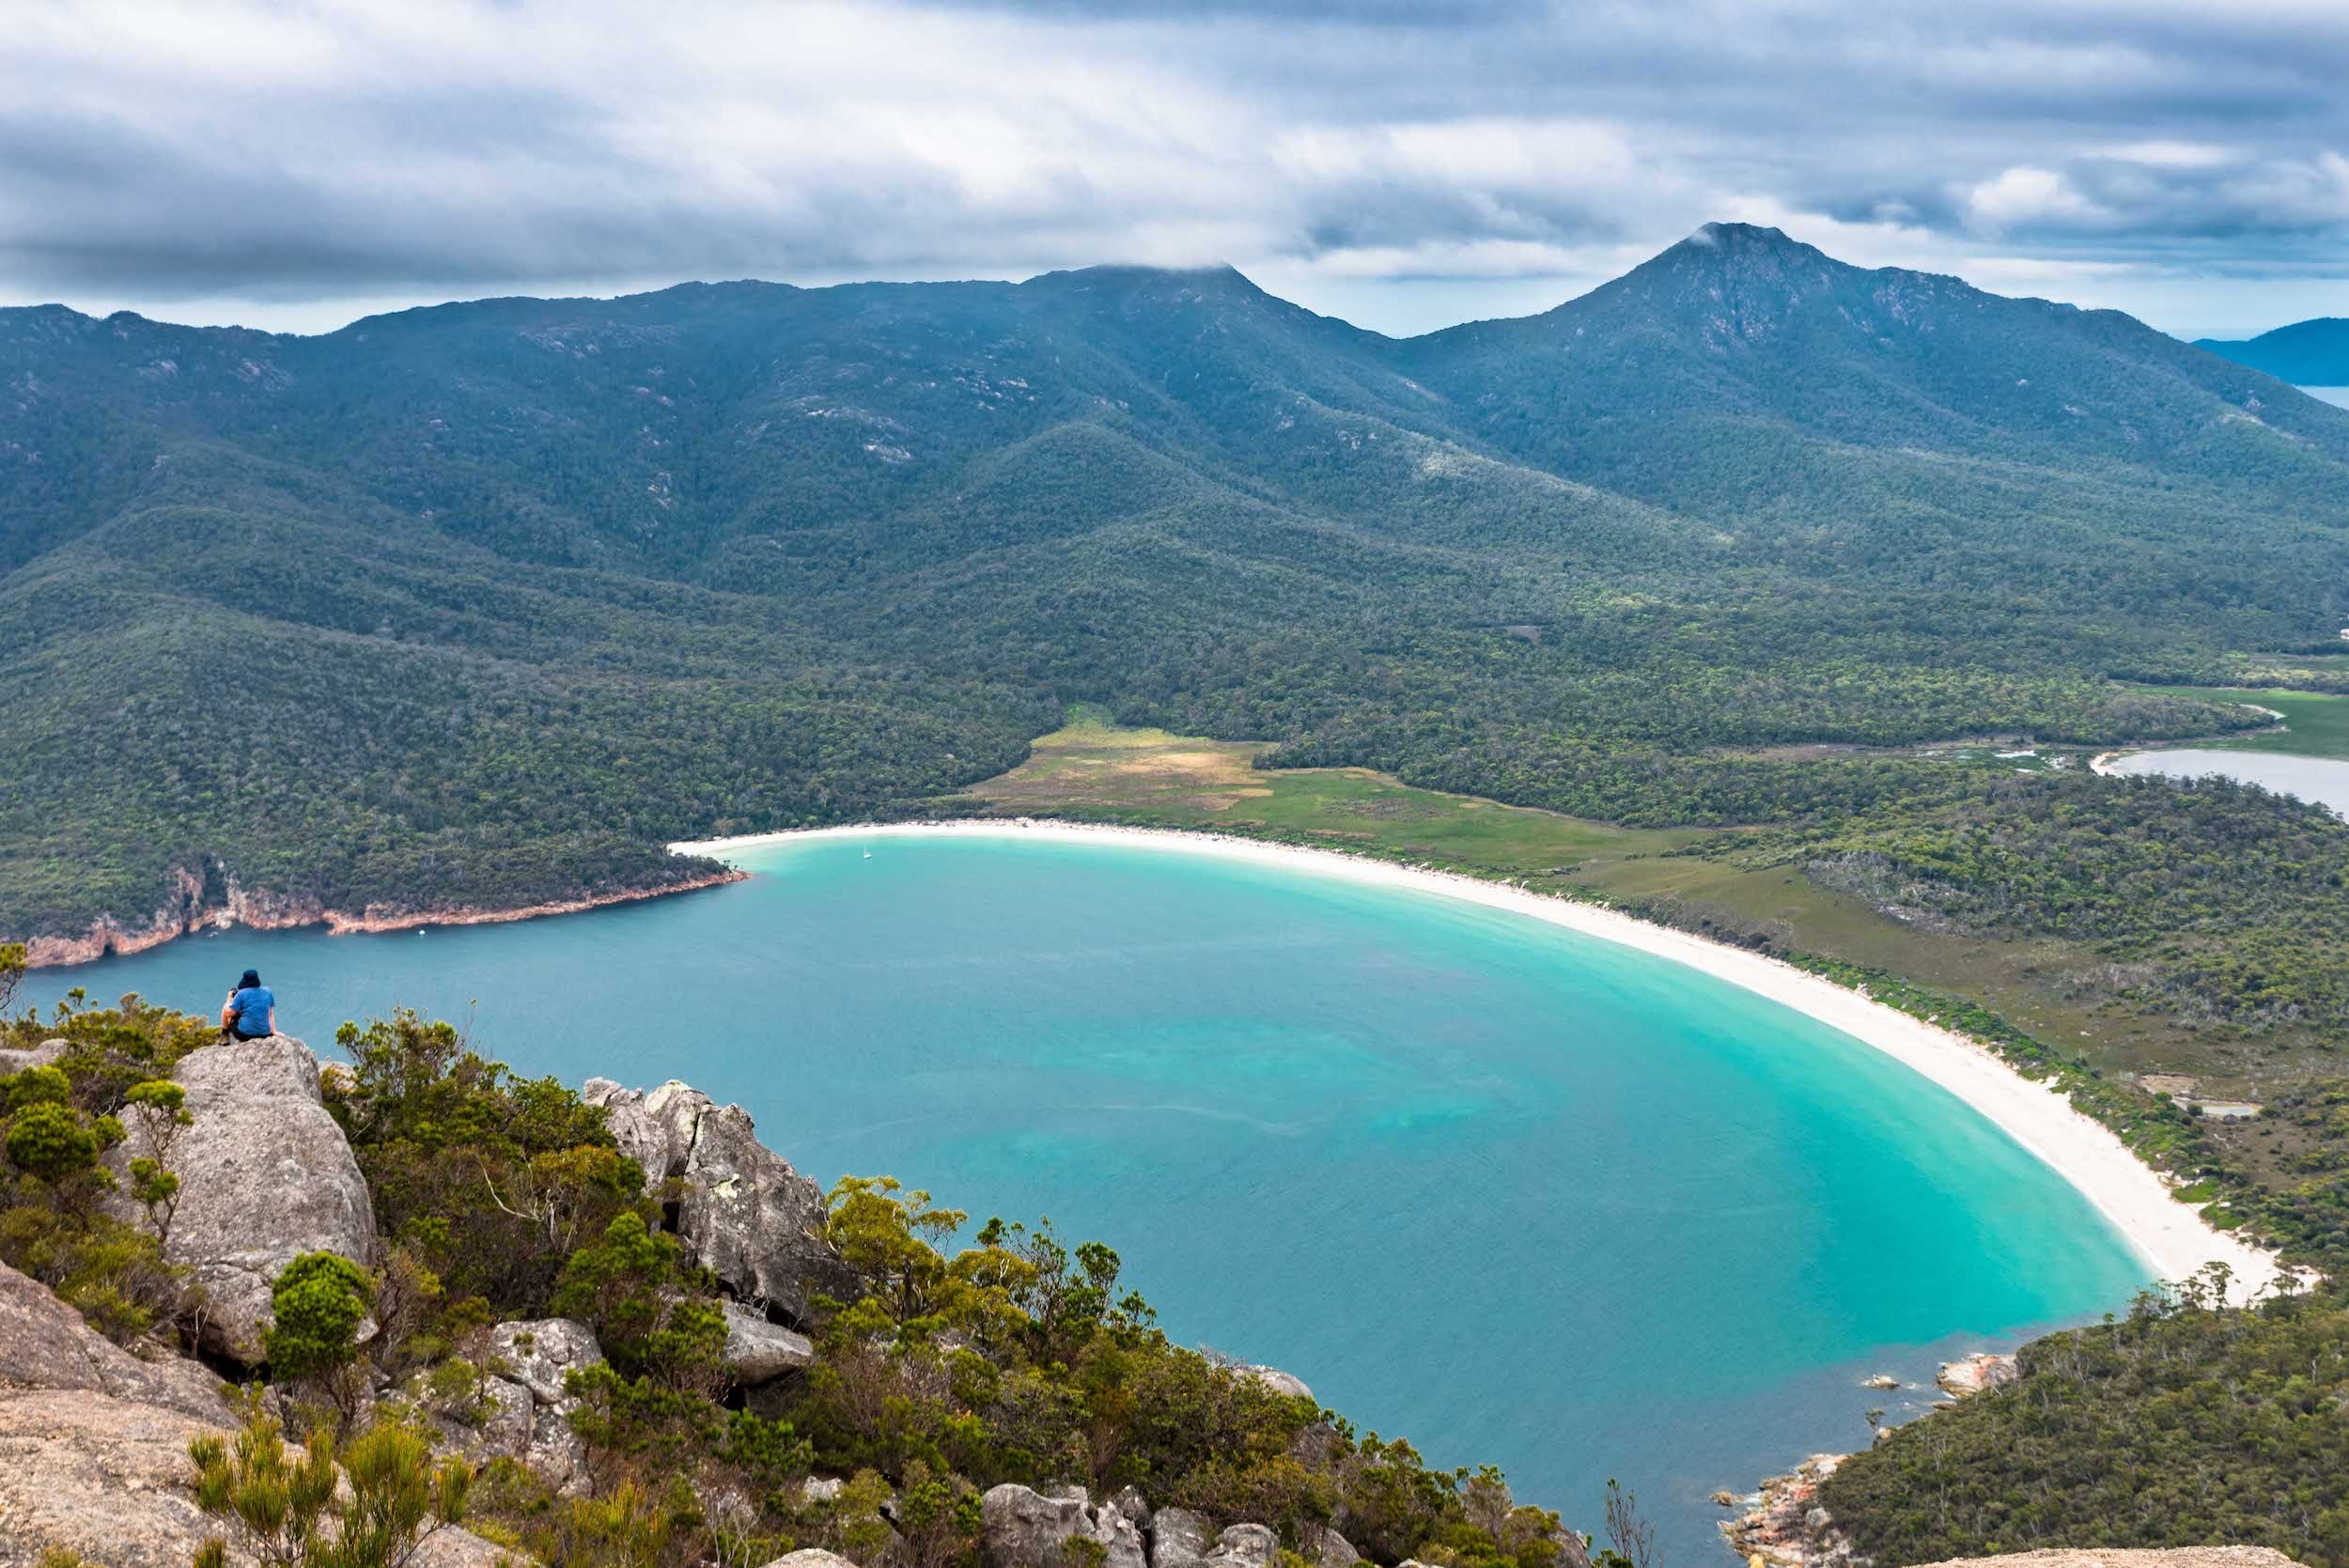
column 272, row 1018
column 229, row 1011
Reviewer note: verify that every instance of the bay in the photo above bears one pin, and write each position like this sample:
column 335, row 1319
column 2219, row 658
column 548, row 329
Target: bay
column 1521, row 1195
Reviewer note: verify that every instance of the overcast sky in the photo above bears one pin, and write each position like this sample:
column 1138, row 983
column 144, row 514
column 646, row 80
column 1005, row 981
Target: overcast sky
column 295, row 165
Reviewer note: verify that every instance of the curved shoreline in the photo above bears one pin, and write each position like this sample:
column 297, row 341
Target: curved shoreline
column 2131, row 1195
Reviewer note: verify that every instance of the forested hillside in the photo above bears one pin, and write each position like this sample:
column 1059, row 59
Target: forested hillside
column 477, row 605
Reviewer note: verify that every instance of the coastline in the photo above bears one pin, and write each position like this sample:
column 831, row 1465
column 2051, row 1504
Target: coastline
column 108, row 937
column 2133, row 1197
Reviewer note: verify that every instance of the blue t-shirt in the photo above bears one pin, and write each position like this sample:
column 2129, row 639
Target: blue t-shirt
column 252, row 1006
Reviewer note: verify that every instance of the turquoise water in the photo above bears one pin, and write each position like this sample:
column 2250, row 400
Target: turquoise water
column 1520, row 1195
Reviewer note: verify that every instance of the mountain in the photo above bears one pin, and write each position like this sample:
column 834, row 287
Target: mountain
column 473, row 606
column 2306, row 353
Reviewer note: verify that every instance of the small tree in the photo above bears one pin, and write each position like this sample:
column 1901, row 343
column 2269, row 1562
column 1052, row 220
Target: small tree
column 1632, row 1540
column 316, row 1305
column 159, row 1109
column 12, row 973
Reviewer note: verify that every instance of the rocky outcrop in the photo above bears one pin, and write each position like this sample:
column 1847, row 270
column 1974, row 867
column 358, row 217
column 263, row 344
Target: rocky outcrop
column 812, row 1557
column 265, row 1175
column 532, row 1358
column 45, row 1346
column 1026, row 1528
column 758, row 1351
column 1786, row 1528
column 42, row 1055
column 742, row 1210
column 1244, row 1546
column 1334, row 1552
column 1178, row 1539
column 180, row 912
column 1977, row 1373
column 194, row 903
column 1280, row 1382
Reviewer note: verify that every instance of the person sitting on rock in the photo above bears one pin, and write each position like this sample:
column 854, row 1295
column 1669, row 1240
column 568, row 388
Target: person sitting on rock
column 251, row 1011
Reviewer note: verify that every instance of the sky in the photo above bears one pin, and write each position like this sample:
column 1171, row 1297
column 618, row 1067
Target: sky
column 293, row 165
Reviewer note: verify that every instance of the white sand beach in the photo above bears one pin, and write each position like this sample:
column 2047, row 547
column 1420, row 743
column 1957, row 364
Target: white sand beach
column 2170, row 1236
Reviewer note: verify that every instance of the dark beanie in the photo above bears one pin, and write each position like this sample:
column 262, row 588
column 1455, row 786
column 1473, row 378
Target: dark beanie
column 252, row 978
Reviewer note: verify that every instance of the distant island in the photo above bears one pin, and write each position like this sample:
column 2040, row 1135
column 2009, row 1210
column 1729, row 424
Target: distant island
column 2306, row 353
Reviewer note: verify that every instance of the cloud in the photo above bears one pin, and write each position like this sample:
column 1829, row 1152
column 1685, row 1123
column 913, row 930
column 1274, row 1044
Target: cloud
column 2027, row 195
column 162, row 151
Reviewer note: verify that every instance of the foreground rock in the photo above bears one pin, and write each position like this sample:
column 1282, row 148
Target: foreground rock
column 1977, row 1373
column 45, row 1345
column 742, row 1210
column 265, row 1175
column 109, row 1478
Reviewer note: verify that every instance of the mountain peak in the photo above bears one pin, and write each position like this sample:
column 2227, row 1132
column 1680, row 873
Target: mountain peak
column 1732, row 243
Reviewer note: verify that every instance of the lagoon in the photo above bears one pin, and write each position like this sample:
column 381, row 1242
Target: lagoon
column 2322, row 780
column 1519, row 1194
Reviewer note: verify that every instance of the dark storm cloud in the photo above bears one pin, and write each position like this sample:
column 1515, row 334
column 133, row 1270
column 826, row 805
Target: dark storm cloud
column 258, row 150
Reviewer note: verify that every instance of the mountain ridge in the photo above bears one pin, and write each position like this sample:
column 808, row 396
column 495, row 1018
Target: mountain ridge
column 735, row 556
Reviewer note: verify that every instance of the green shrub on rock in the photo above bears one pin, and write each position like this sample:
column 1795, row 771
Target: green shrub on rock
column 317, row 1302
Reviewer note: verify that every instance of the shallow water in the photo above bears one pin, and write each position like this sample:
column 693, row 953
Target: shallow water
column 2322, row 780
column 1519, row 1194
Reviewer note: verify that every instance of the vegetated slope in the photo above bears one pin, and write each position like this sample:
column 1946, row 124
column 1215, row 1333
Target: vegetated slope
column 2179, row 1425
column 2306, row 353
column 477, row 603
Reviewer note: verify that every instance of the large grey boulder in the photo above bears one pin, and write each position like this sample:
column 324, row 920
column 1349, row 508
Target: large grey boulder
column 497, row 1424
column 42, row 1055
column 1026, row 1528
column 44, row 1344
column 1121, row 1537
column 743, row 1212
column 1285, row 1383
column 1178, row 1539
column 1244, row 1546
column 1335, row 1550
column 532, row 1357
column 758, row 1351
column 265, row 1175
column 538, row 1352
column 812, row 1557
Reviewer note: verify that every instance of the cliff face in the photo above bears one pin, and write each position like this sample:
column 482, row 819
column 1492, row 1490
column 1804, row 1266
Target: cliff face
column 191, row 906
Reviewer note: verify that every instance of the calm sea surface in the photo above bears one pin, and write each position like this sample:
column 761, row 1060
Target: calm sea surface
column 1520, row 1195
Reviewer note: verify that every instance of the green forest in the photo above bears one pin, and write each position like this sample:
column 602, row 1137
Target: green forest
column 481, row 604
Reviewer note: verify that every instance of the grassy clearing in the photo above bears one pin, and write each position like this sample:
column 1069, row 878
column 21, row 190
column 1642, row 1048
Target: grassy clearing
column 2316, row 724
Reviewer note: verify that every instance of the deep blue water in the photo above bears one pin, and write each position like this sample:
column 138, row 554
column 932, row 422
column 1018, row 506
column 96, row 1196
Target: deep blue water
column 1520, row 1195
